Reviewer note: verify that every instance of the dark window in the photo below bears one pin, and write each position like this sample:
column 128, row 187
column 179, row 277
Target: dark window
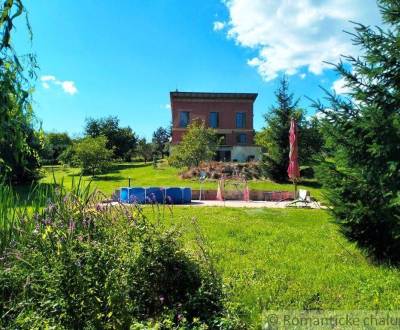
column 240, row 120
column 222, row 139
column 214, row 119
column 183, row 119
column 241, row 138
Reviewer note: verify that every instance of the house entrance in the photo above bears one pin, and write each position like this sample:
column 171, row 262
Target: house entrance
column 223, row 156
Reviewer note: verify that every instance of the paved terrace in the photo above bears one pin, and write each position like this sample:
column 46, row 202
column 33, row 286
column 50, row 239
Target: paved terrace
column 253, row 204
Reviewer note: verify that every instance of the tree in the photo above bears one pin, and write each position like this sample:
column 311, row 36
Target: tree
column 362, row 176
column 145, row 150
column 19, row 142
column 198, row 144
column 121, row 139
column 93, row 155
column 275, row 136
column 54, row 145
column 311, row 141
column 160, row 141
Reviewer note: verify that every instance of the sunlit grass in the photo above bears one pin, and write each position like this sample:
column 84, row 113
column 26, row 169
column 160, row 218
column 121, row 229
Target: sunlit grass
column 277, row 259
column 145, row 175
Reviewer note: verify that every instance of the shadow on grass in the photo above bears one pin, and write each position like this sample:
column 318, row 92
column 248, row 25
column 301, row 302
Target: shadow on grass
column 120, row 167
column 108, row 178
column 26, row 193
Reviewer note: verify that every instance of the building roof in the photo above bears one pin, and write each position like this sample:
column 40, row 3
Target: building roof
column 204, row 95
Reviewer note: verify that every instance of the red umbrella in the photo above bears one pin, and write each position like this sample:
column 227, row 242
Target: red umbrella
column 293, row 169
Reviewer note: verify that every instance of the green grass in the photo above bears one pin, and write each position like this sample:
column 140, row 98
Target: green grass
column 270, row 259
column 145, row 175
column 274, row 259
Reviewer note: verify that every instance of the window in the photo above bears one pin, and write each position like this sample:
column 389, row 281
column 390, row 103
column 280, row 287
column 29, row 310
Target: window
column 241, row 138
column 240, row 120
column 183, row 119
column 214, row 119
column 222, row 139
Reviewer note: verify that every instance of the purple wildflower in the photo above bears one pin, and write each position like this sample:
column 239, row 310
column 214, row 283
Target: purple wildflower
column 71, row 226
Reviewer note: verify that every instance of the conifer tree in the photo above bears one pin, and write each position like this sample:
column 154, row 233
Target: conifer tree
column 275, row 136
column 362, row 176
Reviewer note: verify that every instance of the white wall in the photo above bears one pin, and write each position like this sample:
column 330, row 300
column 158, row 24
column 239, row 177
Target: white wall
column 241, row 153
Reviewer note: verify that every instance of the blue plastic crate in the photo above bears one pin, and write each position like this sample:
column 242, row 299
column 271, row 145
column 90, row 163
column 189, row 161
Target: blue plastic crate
column 186, row 195
column 137, row 195
column 174, row 195
column 155, row 195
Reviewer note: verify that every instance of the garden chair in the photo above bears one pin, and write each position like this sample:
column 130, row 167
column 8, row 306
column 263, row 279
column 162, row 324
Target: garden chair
column 304, row 199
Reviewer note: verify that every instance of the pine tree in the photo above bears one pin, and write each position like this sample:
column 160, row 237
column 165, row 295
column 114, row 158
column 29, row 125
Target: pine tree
column 362, row 177
column 275, row 136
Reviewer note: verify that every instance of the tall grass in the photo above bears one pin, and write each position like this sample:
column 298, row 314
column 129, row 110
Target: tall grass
column 16, row 212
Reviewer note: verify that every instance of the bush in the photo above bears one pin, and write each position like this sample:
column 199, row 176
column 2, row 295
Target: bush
column 93, row 155
column 307, row 173
column 88, row 266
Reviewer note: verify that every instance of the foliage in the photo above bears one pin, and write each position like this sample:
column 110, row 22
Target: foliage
column 68, row 156
column 122, row 140
column 362, row 176
column 145, row 150
column 19, row 143
column 160, row 141
column 199, row 144
column 14, row 214
column 275, row 136
column 311, row 141
column 86, row 265
column 93, row 155
column 54, row 145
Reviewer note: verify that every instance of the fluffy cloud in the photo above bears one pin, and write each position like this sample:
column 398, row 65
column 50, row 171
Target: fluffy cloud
column 67, row 86
column 339, row 86
column 290, row 35
column 218, row 26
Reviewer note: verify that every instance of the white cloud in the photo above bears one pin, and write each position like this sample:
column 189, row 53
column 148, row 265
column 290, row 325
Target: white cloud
column 67, row 86
column 48, row 78
column 303, row 76
column 167, row 106
column 290, row 35
column 339, row 86
column 218, row 26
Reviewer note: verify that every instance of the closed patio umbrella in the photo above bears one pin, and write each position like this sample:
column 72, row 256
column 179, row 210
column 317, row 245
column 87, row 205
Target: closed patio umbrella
column 293, row 168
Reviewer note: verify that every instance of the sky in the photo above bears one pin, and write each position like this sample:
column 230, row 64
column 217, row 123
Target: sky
column 123, row 57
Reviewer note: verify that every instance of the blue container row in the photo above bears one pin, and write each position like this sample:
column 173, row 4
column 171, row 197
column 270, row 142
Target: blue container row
column 156, row 195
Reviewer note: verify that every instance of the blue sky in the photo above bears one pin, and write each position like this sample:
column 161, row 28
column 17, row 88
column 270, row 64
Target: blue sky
column 122, row 57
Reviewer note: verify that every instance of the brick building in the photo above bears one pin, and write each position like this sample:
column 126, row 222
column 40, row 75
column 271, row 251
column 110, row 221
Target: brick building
column 230, row 114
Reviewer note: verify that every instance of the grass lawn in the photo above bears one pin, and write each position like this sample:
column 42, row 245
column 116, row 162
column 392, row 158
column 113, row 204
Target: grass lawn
column 276, row 259
column 145, row 175
column 270, row 259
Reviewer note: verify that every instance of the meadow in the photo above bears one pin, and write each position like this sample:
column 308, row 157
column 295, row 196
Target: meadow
column 270, row 259
column 286, row 259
